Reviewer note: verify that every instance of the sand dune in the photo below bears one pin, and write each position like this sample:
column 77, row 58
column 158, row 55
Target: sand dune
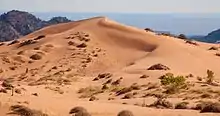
column 57, row 61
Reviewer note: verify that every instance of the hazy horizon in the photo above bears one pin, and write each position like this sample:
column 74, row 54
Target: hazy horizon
column 187, row 23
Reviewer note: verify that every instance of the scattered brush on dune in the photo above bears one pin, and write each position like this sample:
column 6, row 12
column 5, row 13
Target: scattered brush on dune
column 79, row 111
column 25, row 111
column 125, row 113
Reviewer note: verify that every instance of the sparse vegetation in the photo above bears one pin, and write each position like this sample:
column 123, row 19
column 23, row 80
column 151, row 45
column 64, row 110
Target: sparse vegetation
column 39, row 37
column 125, row 113
column 207, row 106
column 25, row 111
column 13, row 42
column 162, row 104
column 90, row 91
column 181, row 105
column 144, row 76
column 173, row 84
column 158, row 67
column 210, row 77
column 182, row 36
column 191, row 42
column 36, row 57
column 149, row 30
column 79, row 111
column 213, row 48
column 217, row 54
column 27, row 42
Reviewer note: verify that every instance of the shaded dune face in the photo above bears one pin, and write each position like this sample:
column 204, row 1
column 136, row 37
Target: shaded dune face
column 125, row 37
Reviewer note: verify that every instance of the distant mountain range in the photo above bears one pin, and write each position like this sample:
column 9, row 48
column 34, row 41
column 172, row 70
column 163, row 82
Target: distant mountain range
column 213, row 37
column 15, row 24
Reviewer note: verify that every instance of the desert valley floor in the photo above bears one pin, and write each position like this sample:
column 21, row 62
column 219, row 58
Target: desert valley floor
column 107, row 67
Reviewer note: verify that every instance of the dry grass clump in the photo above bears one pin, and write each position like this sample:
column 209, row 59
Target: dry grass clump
column 182, row 105
column 125, row 113
column 128, row 89
column 89, row 91
column 162, row 104
column 25, row 111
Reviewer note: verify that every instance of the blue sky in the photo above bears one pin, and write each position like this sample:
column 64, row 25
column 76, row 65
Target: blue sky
column 123, row 6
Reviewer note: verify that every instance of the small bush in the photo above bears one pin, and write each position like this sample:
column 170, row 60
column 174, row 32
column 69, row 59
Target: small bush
column 125, row 113
column 40, row 37
column 206, row 107
column 210, row 77
column 182, row 36
column 161, row 104
column 173, row 84
column 149, row 30
column 213, row 48
column 79, row 111
column 36, row 57
column 182, row 105
column 217, row 54
column 25, row 111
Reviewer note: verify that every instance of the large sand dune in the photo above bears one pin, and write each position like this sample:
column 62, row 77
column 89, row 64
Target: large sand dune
column 71, row 55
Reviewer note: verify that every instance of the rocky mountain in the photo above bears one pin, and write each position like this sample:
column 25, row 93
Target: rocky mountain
column 212, row 37
column 15, row 24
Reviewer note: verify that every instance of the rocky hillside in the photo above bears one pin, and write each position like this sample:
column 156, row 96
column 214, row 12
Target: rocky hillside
column 15, row 24
column 212, row 37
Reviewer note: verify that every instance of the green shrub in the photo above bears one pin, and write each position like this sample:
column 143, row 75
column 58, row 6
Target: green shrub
column 172, row 83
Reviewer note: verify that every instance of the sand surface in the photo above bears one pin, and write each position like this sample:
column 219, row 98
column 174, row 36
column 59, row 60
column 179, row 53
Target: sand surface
column 71, row 55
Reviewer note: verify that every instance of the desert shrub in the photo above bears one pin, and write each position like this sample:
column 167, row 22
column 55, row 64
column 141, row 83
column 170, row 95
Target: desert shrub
column 162, row 104
column 25, row 111
column 182, row 36
column 210, row 77
column 36, row 57
column 149, row 30
column 125, row 113
column 27, row 42
column 217, row 54
column 207, row 106
column 39, row 37
column 79, row 111
column 181, row 105
column 173, row 84
column 213, row 48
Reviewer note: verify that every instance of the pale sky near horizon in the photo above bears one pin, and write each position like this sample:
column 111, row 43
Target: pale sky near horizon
column 122, row 6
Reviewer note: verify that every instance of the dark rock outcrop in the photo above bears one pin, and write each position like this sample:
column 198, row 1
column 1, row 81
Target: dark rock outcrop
column 15, row 24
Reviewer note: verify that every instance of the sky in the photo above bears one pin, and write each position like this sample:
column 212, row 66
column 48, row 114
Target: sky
column 121, row 6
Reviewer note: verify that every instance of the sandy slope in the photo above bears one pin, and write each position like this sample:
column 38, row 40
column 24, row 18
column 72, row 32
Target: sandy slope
column 110, row 47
